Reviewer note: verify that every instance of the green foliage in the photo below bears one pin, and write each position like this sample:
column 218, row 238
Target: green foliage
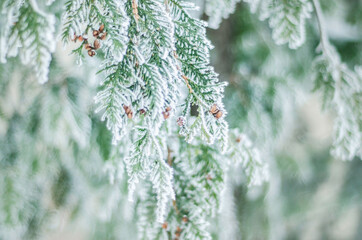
column 341, row 88
column 27, row 31
column 286, row 18
column 169, row 148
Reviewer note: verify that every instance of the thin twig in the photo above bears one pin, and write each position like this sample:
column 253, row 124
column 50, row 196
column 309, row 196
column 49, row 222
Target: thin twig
column 322, row 31
column 135, row 10
column 175, row 207
column 183, row 75
column 187, row 83
column 169, row 158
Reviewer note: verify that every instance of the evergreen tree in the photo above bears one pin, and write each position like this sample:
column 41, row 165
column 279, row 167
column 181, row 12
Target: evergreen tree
column 136, row 130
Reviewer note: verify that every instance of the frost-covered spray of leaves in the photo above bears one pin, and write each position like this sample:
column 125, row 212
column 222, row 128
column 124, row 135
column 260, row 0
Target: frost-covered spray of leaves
column 156, row 65
column 27, row 31
column 342, row 91
column 286, row 18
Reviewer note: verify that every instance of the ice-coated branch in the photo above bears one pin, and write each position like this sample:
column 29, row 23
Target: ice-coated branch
column 342, row 90
column 286, row 18
column 29, row 32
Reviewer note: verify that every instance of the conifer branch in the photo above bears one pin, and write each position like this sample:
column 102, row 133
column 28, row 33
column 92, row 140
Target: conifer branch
column 286, row 18
column 341, row 87
column 153, row 63
column 31, row 35
column 320, row 19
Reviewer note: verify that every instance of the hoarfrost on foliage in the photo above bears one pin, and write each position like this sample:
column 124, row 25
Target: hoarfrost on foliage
column 29, row 32
column 286, row 18
column 154, row 69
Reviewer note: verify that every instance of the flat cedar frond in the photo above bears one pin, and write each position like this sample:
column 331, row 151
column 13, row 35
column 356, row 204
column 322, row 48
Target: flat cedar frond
column 159, row 129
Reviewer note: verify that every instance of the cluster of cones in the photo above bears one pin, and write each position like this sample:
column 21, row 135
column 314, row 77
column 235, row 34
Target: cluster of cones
column 166, row 113
column 216, row 111
column 178, row 229
column 181, row 121
column 100, row 34
column 128, row 111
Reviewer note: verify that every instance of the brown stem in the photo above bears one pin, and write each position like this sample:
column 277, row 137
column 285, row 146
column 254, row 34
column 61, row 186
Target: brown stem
column 135, row 10
column 175, row 207
column 187, row 83
column 169, row 158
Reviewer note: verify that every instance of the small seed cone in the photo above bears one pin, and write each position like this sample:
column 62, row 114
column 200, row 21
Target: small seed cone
column 181, row 121
column 95, row 33
column 101, row 28
column 104, row 35
column 214, row 109
column 91, row 53
column 166, row 115
column 164, row 225
column 218, row 114
column 97, row 44
column 87, row 46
